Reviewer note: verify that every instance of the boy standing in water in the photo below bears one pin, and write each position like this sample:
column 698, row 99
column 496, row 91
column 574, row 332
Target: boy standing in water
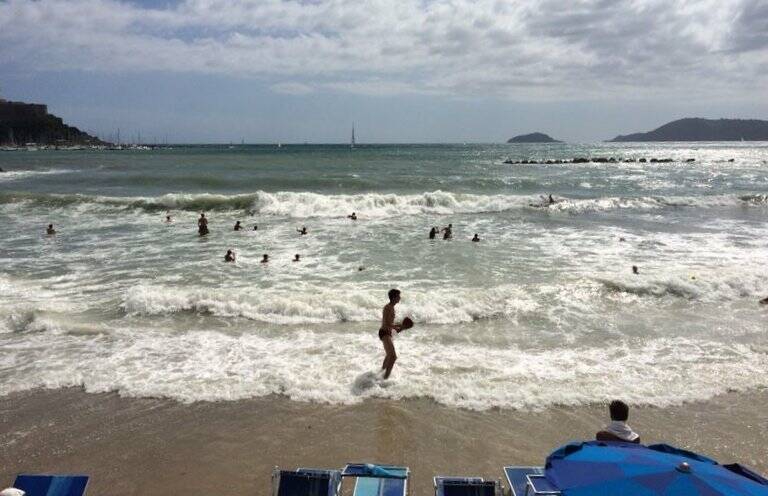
column 202, row 225
column 385, row 332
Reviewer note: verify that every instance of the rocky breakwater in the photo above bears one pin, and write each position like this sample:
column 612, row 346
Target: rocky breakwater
column 596, row 160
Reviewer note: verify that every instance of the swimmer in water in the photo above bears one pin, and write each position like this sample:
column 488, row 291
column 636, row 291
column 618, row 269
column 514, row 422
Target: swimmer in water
column 296, row 258
column 476, row 239
column 168, row 219
column 432, row 233
column 202, row 225
column 551, row 200
column 635, row 270
column 302, row 231
column 238, row 226
column 448, row 232
column 385, row 332
column 230, row 256
column 50, row 231
column 353, row 216
column 255, row 227
column 265, row 259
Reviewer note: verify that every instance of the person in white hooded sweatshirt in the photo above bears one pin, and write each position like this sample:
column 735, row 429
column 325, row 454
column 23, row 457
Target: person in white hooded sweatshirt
column 618, row 430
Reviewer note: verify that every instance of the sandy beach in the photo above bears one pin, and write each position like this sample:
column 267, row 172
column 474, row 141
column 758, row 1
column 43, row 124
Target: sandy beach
column 160, row 447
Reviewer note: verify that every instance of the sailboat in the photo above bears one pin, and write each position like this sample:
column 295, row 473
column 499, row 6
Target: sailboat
column 352, row 142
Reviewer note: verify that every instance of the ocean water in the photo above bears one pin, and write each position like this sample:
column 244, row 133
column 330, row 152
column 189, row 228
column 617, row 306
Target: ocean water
column 543, row 311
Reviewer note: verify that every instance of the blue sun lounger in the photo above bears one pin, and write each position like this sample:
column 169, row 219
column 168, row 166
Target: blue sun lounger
column 529, row 481
column 306, row 482
column 51, row 485
column 378, row 480
column 466, row 486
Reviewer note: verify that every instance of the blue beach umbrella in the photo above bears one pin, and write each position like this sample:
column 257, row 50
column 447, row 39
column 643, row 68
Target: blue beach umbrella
column 598, row 468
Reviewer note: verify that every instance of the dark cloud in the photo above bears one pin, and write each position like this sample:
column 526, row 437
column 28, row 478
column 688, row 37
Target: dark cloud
column 750, row 30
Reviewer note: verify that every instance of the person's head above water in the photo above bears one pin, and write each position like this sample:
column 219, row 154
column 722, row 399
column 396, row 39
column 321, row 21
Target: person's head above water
column 635, row 270
column 619, row 410
column 50, row 226
column 296, row 257
column 265, row 258
column 476, row 237
column 394, row 295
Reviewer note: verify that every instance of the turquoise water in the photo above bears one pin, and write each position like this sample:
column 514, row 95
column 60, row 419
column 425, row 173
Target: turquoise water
column 544, row 310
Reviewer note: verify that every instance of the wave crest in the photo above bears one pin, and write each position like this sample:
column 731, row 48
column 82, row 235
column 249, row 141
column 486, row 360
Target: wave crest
column 371, row 205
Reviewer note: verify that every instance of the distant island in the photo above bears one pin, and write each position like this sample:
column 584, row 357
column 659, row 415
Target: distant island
column 696, row 129
column 533, row 138
column 22, row 123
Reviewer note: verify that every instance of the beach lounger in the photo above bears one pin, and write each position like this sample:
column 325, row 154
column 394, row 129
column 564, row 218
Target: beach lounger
column 378, row 480
column 51, row 485
column 466, row 486
column 306, row 482
column 529, row 481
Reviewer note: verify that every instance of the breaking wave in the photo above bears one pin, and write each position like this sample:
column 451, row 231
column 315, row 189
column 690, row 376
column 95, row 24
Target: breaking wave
column 711, row 287
column 329, row 306
column 372, row 205
column 15, row 175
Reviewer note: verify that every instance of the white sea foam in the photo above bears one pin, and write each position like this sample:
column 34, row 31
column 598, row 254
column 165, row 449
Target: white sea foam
column 15, row 175
column 324, row 367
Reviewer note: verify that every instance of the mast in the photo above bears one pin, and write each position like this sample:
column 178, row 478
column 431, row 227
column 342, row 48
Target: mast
column 352, row 142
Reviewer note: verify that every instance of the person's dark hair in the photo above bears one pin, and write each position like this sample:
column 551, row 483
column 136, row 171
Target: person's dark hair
column 619, row 410
column 393, row 293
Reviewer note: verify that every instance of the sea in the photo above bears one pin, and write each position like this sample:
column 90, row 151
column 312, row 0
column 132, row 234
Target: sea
column 544, row 311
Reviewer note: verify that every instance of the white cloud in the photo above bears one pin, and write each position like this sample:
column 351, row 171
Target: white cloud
column 528, row 49
column 292, row 88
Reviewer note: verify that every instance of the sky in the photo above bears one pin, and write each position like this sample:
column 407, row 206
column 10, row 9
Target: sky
column 267, row 71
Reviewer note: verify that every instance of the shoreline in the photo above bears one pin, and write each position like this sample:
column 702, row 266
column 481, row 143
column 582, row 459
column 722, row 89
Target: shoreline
column 132, row 446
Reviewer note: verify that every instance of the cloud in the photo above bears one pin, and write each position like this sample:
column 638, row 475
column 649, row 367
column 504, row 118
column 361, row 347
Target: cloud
column 526, row 50
column 292, row 88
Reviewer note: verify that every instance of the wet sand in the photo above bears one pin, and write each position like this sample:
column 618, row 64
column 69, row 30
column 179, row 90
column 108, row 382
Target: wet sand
column 161, row 447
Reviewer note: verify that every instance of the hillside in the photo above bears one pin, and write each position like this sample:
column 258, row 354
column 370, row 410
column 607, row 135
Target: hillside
column 695, row 129
column 22, row 123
